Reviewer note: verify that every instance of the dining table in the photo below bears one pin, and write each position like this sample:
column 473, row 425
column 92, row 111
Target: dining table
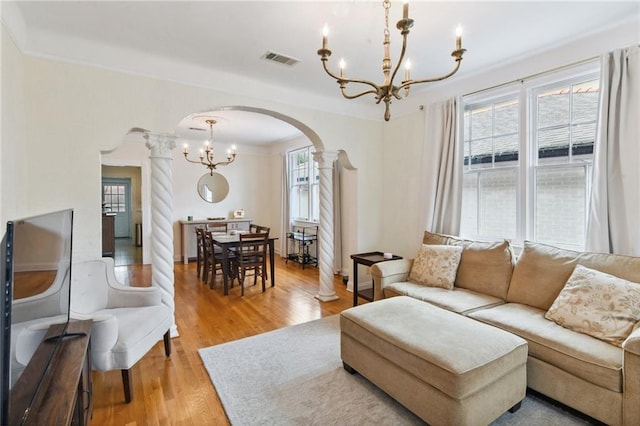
column 229, row 241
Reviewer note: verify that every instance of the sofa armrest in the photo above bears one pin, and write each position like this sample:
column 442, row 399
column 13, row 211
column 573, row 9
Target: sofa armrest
column 631, row 373
column 391, row 271
column 632, row 343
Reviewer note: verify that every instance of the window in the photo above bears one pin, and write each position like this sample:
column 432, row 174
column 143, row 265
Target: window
column 114, row 197
column 527, row 160
column 304, row 185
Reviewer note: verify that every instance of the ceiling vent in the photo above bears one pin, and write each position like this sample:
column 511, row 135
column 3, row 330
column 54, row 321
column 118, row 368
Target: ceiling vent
column 281, row 59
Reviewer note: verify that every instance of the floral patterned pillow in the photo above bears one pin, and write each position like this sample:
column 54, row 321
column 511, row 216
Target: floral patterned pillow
column 436, row 266
column 597, row 304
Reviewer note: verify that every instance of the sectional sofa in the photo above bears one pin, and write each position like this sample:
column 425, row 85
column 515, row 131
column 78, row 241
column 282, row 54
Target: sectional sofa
column 591, row 365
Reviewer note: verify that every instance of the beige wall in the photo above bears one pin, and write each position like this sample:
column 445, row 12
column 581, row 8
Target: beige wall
column 13, row 171
column 83, row 114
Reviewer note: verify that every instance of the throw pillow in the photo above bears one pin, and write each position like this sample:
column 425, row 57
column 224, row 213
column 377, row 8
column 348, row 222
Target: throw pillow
column 598, row 304
column 485, row 266
column 436, row 266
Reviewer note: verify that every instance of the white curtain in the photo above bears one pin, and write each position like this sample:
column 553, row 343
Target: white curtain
column 614, row 207
column 285, row 221
column 443, row 163
column 337, row 217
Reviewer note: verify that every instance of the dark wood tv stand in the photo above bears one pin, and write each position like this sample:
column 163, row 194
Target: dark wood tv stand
column 65, row 393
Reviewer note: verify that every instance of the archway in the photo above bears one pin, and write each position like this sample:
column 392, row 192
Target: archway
column 167, row 142
column 325, row 167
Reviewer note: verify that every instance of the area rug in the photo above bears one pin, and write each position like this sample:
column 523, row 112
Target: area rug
column 294, row 376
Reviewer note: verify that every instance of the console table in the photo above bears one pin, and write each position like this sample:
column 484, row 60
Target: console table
column 366, row 259
column 65, row 394
column 188, row 229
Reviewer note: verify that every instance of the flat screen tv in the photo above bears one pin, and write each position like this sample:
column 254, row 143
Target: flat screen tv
column 36, row 284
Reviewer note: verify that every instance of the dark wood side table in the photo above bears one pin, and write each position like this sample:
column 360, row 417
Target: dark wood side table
column 366, row 259
column 63, row 393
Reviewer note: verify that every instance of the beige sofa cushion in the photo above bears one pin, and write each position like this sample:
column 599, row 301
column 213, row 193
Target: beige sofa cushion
column 436, row 266
column 485, row 267
column 542, row 271
column 598, row 304
column 591, row 359
column 458, row 300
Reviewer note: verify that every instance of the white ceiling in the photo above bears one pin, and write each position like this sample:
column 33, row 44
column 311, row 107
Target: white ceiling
column 236, row 127
column 222, row 42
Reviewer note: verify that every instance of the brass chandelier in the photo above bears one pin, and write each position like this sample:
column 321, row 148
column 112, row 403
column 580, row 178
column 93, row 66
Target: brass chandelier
column 206, row 154
column 388, row 90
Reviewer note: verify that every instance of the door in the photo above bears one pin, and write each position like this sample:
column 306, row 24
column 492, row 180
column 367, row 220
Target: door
column 116, row 198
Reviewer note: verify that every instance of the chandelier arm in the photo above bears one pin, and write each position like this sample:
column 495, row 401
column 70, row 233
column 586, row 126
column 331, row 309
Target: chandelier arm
column 193, row 161
column 366, row 92
column 223, row 163
column 405, row 33
column 345, row 80
column 430, row 80
column 396, row 95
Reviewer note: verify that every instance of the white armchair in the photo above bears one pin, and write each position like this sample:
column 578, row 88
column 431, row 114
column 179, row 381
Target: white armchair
column 127, row 321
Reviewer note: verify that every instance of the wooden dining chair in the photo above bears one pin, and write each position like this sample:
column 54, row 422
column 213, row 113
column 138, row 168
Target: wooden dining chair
column 213, row 262
column 217, row 228
column 200, row 252
column 255, row 228
column 251, row 256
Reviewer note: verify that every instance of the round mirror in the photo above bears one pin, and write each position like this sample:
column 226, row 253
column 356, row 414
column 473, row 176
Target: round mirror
column 213, row 188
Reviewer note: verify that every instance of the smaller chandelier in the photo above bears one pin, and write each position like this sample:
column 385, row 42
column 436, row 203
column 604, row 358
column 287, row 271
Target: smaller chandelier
column 387, row 90
column 206, row 154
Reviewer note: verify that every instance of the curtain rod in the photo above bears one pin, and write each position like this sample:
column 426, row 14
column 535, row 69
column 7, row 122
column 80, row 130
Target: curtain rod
column 580, row 62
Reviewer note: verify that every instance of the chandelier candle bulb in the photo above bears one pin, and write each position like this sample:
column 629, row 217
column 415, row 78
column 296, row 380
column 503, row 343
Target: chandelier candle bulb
column 405, row 9
column 185, row 148
column 458, row 37
column 407, row 70
column 325, row 34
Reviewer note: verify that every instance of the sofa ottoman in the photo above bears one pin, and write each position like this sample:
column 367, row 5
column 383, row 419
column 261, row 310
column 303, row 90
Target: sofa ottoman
column 444, row 367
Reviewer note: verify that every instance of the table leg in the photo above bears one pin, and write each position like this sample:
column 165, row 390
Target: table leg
column 272, row 264
column 355, row 283
column 225, row 269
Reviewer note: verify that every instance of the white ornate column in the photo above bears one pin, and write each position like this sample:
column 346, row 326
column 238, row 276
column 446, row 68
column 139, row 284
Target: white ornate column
column 325, row 161
column 161, row 147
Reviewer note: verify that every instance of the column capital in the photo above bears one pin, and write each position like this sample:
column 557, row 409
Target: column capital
column 161, row 145
column 325, row 159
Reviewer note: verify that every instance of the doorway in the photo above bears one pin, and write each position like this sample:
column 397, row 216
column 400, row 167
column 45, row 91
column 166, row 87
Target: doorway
column 121, row 194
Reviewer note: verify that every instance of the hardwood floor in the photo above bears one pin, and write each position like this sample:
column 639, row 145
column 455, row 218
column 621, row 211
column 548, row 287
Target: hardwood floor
column 177, row 390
